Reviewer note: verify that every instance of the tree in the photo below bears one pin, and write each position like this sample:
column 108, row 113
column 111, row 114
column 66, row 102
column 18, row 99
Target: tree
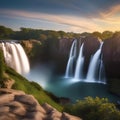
column 97, row 34
column 43, row 37
column 5, row 33
column 94, row 109
column 107, row 34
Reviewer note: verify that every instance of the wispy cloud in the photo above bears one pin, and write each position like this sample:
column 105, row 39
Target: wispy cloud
column 112, row 15
column 78, row 23
column 109, row 19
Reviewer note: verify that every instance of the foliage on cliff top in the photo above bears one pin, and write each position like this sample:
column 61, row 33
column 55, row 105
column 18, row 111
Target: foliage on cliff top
column 42, row 35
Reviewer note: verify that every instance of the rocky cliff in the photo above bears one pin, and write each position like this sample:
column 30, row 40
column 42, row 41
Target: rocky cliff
column 16, row 105
column 110, row 52
column 111, row 56
column 91, row 45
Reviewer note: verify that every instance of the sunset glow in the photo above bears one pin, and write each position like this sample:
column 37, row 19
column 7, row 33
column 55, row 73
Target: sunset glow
column 69, row 16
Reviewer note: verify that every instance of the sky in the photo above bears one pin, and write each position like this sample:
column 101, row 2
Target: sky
column 66, row 15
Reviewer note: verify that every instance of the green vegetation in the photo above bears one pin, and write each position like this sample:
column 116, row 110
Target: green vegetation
column 5, row 33
column 1, row 68
column 104, row 35
column 28, row 87
column 38, row 34
column 1, row 65
column 31, row 88
column 94, row 109
column 43, row 35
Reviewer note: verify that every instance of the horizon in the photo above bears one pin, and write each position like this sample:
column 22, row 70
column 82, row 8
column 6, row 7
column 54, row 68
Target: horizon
column 65, row 15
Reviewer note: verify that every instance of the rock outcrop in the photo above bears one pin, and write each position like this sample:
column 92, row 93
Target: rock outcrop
column 16, row 105
column 91, row 45
column 111, row 56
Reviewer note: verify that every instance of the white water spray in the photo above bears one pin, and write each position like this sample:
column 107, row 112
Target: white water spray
column 72, row 56
column 15, row 57
column 96, row 72
column 79, row 65
column 93, row 65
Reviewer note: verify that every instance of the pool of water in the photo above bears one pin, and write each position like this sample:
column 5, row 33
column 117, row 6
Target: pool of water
column 68, row 87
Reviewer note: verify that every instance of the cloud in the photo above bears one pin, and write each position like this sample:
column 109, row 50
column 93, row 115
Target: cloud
column 78, row 23
column 108, row 19
column 112, row 15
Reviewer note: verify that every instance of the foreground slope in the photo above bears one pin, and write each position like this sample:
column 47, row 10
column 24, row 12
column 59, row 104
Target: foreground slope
column 16, row 105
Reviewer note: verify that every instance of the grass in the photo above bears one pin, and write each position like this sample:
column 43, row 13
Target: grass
column 32, row 88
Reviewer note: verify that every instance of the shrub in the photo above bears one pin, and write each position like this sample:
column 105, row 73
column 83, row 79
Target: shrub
column 94, row 109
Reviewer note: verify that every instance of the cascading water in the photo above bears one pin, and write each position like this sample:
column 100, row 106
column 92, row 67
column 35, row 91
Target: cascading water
column 102, row 77
column 15, row 57
column 93, row 65
column 79, row 65
column 96, row 72
column 72, row 56
column 23, row 59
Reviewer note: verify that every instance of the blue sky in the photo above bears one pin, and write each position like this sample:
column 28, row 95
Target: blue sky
column 67, row 15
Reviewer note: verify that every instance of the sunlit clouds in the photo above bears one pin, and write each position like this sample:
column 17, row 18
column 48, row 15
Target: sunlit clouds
column 109, row 19
column 74, row 23
column 63, row 17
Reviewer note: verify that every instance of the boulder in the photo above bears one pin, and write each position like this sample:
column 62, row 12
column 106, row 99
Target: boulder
column 8, row 116
column 48, row 108
column 17, row 108
column 27, row 99
column 66, row 116
column 8, row 83
column 40, row 109
column 7, row 98
column 11, row 91
column 34, row 115
column 21, row 106
column 4, row 109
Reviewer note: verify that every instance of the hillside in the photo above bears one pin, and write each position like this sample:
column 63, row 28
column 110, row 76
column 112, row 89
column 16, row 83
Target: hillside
column 32, row 88
column 16, row 105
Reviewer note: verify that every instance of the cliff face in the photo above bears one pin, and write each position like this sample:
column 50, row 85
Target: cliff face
column 91, row 45
column 30, row 47
column 58, row 55
column 55, row 52
column 16, row 105
column 111, row 56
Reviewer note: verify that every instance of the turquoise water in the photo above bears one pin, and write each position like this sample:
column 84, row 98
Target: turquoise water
column 75, row 90
column 67, row 87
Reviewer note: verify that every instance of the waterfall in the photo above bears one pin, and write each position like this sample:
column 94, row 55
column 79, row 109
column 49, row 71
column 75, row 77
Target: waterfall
column 96, row 71
column 79, row 65
column 94, row 65
column 101, row 76
column 72, row 56
column 23, row 59
column 15, row 57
